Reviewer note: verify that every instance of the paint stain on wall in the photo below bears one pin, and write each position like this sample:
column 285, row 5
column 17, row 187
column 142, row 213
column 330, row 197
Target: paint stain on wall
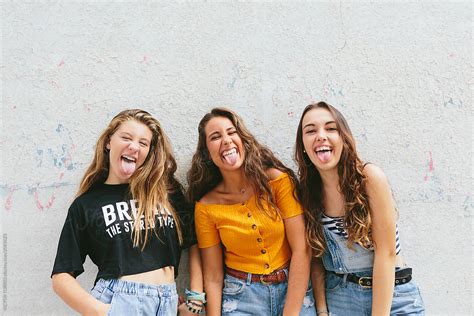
column 9, row 200
column 430, row 167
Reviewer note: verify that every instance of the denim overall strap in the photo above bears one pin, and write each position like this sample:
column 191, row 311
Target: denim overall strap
column 339, row 258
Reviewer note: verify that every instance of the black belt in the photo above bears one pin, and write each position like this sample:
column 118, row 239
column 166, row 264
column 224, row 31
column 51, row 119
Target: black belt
column 401, row 277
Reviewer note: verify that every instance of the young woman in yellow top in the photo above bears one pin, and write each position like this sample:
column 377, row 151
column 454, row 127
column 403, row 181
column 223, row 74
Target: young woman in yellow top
column 246, row 210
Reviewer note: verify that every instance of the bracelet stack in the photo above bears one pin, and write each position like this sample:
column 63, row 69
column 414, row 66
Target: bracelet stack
column 195, row 301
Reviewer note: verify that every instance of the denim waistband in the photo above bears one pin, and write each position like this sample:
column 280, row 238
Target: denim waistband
column 128, row 287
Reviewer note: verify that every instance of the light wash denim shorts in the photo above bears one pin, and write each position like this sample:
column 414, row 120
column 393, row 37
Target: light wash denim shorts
column 241, row 297
column 347, row 298
column 131, row 298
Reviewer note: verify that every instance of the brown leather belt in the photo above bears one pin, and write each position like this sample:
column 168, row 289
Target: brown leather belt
column 276, row 276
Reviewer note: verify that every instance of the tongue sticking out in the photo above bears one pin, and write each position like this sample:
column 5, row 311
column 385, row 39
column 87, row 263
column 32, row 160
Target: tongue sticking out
column 324, row 156
column 231, row 159
column 128, row 167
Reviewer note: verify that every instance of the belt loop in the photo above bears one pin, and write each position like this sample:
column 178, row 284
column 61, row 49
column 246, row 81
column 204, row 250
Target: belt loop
column 344, row 280
column 249, row 278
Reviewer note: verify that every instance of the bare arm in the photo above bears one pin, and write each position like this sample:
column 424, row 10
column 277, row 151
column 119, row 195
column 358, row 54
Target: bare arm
column 299, row 265
column 67, row 287
column 195, row 277
column 213, row 269
column 195, row 269
column 318, row 275
column 383, row 235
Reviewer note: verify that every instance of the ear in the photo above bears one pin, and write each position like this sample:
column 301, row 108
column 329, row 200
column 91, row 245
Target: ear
column 107, row 145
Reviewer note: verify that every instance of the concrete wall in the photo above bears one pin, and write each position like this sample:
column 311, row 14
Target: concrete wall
column 400, row 72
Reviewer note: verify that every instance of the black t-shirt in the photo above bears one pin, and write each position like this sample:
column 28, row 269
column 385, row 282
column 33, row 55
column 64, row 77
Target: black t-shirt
column 100, row 224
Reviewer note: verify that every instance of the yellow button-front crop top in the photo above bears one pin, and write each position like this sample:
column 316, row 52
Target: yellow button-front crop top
column 253, row 242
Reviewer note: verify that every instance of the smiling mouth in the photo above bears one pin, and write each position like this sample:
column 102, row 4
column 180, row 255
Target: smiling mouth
column 129, row 165
column 129, row 159
column 323, row 153
column 230, row 156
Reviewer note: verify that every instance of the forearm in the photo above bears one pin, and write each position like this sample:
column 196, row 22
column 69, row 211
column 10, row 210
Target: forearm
column 298, row 278
column 214, row 297
column 383, row 283
column 195, row 270
column 75, row 296
column 318, row 276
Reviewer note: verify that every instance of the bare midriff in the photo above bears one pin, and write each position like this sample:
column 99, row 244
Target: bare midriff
column 159, row 276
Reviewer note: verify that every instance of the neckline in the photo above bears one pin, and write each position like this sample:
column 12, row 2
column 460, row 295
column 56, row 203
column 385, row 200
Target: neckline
column 246, row 202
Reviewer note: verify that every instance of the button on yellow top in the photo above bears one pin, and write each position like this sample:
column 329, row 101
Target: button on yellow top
column 242, row 242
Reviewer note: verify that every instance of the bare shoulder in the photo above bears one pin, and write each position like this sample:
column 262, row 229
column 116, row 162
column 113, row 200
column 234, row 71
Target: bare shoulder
column 210, row 197
column 273, row 173
column 376, row 178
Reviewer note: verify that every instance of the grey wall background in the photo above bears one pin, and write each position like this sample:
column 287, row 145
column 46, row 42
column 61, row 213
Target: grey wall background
column 401, row 72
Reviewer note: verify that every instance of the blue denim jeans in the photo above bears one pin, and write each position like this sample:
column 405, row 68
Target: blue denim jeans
column 241, row 297
column 131, row 298
column 346, row 298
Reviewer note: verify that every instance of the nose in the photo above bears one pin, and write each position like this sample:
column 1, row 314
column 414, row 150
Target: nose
column 133, row 146
column 321, row 136
column 227, row 140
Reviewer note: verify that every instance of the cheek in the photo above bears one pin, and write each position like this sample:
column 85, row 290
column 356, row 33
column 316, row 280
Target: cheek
column 307, row 144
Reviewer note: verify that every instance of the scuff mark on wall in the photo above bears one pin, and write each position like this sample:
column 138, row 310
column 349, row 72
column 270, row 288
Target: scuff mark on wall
column 453, row 103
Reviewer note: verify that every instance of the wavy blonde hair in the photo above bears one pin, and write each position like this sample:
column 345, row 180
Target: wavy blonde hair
column 357, row 219
column 204, row 175
column 151, row 183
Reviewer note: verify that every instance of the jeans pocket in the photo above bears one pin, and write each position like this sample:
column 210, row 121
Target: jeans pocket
column 112, row 304
column 407, row 300
column 406, row 289
column 98, row 289
column 231, row 294
column 333, row 282
column 308, row 300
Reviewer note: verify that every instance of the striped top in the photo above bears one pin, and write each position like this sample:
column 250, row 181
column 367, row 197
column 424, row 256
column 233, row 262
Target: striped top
column 336, row 225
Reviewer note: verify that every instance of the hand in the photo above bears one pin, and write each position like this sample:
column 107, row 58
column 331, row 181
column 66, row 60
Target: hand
column 183, row 310
column 102, row 308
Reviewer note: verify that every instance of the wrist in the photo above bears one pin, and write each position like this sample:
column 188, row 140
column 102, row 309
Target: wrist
column 323, row 312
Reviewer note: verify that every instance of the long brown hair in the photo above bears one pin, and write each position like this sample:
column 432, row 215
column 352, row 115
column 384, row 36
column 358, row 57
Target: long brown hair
column 150, row 183
column 357, row 218
column 204, row 175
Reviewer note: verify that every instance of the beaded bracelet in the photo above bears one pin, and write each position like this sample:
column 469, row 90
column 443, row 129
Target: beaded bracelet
column 193, row 310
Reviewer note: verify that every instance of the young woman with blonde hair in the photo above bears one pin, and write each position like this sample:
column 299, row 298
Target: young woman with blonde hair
column 247, row 212
column 131, row 218
column 357, row 268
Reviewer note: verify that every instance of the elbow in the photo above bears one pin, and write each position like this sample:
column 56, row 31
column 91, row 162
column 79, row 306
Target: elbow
column 388, row 255
column 55, row 283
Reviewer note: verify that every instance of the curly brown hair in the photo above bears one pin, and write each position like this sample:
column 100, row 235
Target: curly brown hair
column 203, row 176
column 150, row 183
column 357, row 219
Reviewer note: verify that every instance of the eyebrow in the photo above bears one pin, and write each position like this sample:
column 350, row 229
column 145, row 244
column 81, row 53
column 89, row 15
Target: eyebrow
column 312, row 124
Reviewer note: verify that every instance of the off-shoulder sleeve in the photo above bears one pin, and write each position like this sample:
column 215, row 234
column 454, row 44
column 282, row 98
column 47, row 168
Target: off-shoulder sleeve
column 206, row 230
column 285, row 196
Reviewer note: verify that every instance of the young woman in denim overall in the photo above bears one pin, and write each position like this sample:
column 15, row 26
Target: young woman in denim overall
column 351, row 223
column 246, row 210
column 136, row 246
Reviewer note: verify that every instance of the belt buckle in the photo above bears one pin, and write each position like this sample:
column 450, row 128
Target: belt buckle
column 365, row 286
column 262, row 281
